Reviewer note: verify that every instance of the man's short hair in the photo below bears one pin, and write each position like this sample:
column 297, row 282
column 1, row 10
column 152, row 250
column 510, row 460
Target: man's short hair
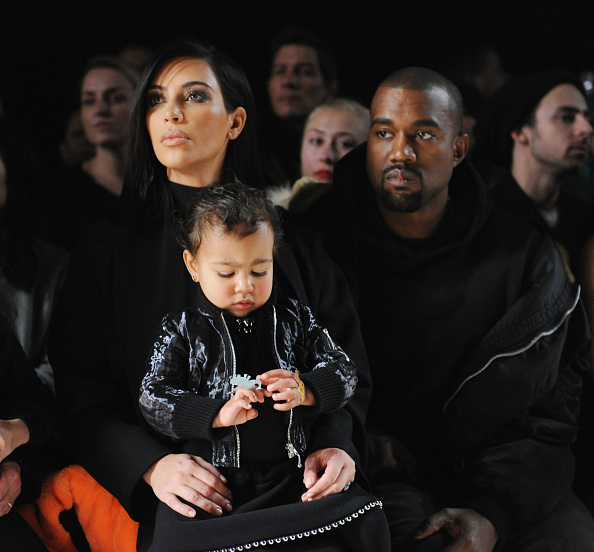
column 514, row 106
column 421, row 78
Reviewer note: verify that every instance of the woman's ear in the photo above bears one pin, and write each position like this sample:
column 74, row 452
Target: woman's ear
column 190, row 262
column 238, row 118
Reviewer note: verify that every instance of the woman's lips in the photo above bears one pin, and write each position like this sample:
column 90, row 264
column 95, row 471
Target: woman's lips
column 174, row 138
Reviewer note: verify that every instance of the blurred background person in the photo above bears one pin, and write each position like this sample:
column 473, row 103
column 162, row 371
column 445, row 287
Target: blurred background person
column 331, row 130
column 32, row 270
column 80, row 195
column 303, row 74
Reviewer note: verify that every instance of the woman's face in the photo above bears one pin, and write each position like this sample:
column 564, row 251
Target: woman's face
column 328, row 136
column 188, row 123
column 106, row 104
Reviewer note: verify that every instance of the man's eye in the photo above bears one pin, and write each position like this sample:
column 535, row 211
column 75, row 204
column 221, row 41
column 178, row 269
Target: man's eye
column 381, row 133
column 424, row 135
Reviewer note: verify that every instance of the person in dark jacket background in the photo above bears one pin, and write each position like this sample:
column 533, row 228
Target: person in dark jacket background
column 474, row 334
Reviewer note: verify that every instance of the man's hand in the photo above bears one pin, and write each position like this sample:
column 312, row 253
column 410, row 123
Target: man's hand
column 338, row 468
column 10, row 486
column 178, row 476
column 471, row 531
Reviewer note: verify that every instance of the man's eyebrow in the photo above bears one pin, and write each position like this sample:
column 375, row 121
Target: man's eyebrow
column 418, row 122
column 572, row 109
column 381, row 121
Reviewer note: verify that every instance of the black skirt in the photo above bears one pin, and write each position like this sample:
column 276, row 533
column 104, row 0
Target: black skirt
column 268, row 514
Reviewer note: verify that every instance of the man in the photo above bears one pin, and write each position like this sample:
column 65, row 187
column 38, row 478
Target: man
column 473, row 332
column 537, row 129
column 303, row 74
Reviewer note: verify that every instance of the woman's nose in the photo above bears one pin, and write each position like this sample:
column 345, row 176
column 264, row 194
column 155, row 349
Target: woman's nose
column 174, row 113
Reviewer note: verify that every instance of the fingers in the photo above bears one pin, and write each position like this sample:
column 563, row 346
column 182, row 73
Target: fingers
column 180, row 476
column 339, row 471
column 284, row 387
column 428, row 527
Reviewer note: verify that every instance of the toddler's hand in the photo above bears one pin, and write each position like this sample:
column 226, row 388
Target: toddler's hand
column 238, row 409
column 284, row 385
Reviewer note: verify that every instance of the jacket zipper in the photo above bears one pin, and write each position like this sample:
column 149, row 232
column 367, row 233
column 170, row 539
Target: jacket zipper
column 291, row 450
column 518, row 351
column 236, row 431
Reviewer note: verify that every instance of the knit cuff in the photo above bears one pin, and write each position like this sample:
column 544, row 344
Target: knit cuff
column 194, row 415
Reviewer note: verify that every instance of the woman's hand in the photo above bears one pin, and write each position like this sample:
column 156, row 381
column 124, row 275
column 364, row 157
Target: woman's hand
column 284, row 385
column 339, row 472
column 178, row 476
column 13, row 434
column 10, row 486
column 238, row 409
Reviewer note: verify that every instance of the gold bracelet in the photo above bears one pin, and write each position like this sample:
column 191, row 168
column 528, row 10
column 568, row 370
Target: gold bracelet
column 300, row 383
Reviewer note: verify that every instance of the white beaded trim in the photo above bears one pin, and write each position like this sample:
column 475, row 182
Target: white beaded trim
column 305, row 534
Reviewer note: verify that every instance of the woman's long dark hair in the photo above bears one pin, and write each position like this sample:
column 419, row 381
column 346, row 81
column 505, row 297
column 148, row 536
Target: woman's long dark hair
column 145, row 194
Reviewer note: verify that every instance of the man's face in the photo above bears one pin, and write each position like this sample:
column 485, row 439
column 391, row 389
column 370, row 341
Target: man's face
column 296, row 84
column 413, row 146
column 560, row 136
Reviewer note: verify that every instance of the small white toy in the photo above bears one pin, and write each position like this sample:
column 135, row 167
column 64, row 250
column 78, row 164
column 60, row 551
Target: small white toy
column 244, row 381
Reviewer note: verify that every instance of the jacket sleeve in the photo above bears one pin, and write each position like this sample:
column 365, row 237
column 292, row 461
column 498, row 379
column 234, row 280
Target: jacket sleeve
column 326, row 293
column 516, row 458
column 165, row 400
column 330, row 374
column 99, row 425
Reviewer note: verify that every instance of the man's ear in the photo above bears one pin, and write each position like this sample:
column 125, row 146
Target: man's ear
column 190, row 262
column 238, row 119
column 460, row 148
column 520, row 135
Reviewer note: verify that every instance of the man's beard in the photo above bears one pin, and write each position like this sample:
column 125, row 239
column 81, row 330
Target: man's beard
column 406, row 201
column 409, row 202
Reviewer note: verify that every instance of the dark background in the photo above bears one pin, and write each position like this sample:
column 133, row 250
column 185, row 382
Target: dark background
column 43, row 45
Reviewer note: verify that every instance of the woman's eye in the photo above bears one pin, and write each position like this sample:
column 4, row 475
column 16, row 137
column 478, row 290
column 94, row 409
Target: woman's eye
column 259, row 274
column 347, row 145
column 197, row 96
column 316, row 141
column 154, row 99
column 225, row 274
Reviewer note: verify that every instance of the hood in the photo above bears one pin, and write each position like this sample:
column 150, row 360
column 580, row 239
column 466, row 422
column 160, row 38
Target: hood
column 354, row 198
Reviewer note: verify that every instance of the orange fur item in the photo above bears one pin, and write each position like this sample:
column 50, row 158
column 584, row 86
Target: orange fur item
column 107, row 526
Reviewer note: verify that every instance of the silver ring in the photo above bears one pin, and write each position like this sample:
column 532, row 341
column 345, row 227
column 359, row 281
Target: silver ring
column 346, row 487
column 10, row 505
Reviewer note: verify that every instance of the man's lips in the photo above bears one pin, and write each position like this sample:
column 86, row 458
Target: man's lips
column 399, row 176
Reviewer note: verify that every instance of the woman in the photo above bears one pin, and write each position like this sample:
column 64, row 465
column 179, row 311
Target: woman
column 190, row 125
column 82, row 194
column 331, row 130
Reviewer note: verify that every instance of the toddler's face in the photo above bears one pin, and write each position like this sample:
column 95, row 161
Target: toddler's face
column 235, row 272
